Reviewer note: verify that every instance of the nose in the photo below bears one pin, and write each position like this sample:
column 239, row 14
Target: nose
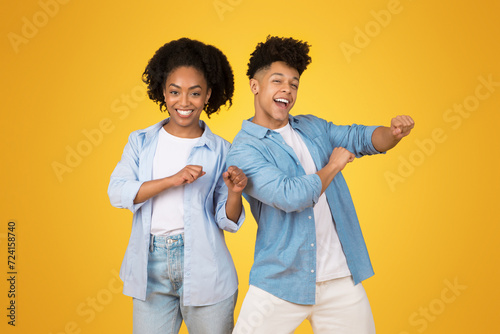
column 184, row 100
column 285, row 88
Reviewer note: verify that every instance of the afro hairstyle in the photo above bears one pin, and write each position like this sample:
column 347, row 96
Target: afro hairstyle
column 289, row 50
column 191, row 53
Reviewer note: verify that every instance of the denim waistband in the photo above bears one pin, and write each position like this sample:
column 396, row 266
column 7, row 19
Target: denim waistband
column 168, row 241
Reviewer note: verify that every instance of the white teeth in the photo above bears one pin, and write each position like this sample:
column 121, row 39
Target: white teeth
column 185, row 112
column 282, row 100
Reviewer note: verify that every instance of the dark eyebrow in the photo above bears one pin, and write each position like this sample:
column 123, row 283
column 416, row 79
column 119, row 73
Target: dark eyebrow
column 190, row 88
column 282, row 75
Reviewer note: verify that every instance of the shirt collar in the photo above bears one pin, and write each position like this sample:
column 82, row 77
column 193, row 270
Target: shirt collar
column 259, row 131
column 207, row 138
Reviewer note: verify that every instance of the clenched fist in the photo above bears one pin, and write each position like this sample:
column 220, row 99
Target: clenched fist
column 235, row 179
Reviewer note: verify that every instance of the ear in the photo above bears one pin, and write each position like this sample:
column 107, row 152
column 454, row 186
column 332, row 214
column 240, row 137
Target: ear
column 254, row 86
column 209, row 93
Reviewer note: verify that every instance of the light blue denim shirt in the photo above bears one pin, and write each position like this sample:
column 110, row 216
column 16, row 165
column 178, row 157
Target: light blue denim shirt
column 282, row 197
column 209, row 272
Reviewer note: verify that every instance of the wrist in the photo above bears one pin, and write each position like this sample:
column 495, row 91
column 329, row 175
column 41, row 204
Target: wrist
column 334, row 167
column 235, row 194
column 168, row 182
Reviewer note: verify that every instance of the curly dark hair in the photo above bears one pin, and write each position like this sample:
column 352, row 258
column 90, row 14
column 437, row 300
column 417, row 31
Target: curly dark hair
column 187, row 52
column 289, row 50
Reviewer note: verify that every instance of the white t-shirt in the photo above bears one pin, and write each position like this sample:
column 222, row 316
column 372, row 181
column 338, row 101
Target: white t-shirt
column 171, row 156
column 330, row 258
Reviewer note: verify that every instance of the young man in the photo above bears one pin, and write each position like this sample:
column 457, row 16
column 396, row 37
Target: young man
column 310, row 255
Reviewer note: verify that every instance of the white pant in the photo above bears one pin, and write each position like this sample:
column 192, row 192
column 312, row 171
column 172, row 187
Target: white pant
column 341, row 308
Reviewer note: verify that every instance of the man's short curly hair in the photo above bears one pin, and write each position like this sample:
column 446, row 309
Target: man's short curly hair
column 289, row 50
column 187, row 52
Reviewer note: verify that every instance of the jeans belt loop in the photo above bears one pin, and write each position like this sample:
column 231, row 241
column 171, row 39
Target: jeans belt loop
column 151, row 242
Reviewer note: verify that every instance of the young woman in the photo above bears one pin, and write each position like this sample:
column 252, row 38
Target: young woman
column 173, row 177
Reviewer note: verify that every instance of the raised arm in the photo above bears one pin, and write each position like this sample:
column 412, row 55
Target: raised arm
column 385, row 138
column 269, row 184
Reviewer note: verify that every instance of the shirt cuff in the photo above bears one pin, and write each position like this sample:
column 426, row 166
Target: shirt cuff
column 368, row 139
column 129, row 192
column 227, row 224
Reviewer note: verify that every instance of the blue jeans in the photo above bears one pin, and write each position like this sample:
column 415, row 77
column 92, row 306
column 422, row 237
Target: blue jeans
column 163, row 310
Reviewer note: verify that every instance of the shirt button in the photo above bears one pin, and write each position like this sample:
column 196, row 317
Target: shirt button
column 312, row 245
column 297, row 163
column 312, row 271
column 309, row 217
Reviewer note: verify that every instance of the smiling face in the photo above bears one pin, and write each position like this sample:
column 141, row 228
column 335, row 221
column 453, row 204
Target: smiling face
column 275, row 92
column 186, row 92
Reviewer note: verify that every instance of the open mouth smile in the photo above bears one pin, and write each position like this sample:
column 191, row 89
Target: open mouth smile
column 282, row 102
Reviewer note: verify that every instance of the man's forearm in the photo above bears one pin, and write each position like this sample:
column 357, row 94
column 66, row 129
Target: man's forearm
column 327, row 174
column 338, row 160
column 383, row 139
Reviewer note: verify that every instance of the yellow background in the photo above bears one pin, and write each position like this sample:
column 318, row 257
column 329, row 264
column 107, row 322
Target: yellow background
column 428, row 208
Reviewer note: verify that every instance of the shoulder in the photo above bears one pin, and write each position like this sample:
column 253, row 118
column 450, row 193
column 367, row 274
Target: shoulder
column 247, row 150
column 244, row 141
column 220, row 142
column 310, row 124
column 242, row 137
column 213, row 141
column 141, row 137
column 308, row 117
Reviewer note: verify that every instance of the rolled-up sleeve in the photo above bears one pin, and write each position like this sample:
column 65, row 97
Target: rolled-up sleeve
column 355, row 138
column 220, row 199
column 225, row 223
column 124, row 183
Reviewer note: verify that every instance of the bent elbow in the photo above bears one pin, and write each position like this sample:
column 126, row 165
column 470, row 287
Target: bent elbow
column 292, row 207
column 114, row 194
column 115, row 200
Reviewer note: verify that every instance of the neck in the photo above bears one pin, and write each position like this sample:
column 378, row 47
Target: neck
column 189, row 132
column 269, row 123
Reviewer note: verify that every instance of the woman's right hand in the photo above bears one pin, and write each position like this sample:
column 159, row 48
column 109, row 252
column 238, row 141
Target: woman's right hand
column 188, row 174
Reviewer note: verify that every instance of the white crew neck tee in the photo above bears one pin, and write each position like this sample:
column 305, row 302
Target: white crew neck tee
column 330, row 258
column 171, row 156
